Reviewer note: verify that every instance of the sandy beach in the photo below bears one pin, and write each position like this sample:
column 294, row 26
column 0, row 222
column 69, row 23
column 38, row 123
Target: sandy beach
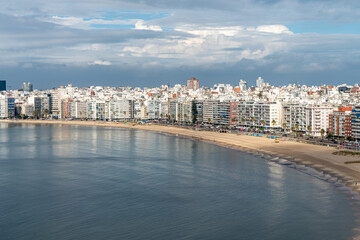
column 314, row 156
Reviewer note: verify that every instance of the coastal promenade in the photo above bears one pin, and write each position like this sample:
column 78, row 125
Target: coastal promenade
column 318, row 157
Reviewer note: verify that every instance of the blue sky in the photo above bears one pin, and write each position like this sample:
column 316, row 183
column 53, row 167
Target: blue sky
column 148, row 43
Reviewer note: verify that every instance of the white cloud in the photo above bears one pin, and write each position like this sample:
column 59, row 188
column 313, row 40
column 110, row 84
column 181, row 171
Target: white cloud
column 100, row 62
column 277, row 29
column 140, row 25
column 81, row 23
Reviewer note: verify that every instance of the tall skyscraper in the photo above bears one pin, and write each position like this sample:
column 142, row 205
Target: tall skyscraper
column 2, row 85
column 193, row 84
column 27, row 87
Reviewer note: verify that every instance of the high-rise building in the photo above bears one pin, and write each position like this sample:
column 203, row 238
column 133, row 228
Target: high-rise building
column 2, row 85
column 259, row 82
column 243, row 85
column 340, row 122
column 317, row 118
column 11, row 107
column 3, row 106
column 27, row 87
column 193, row 84
column 355, row 122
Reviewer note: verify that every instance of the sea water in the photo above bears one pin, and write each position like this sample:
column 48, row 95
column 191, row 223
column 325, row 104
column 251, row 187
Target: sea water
column 78, row 182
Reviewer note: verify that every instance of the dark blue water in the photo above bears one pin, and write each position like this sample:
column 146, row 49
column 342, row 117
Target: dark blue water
column 73, row 182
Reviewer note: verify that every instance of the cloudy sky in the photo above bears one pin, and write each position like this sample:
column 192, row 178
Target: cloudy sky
column 154, row 42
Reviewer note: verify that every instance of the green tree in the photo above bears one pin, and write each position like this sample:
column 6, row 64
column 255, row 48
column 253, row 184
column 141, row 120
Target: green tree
column 194, row 112
column 252, row 120
column 322, row 132
column 273, row 122
column 242, row 121
column 309, row 129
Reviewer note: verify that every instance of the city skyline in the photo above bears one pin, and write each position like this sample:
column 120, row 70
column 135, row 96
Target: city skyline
column 149, row 43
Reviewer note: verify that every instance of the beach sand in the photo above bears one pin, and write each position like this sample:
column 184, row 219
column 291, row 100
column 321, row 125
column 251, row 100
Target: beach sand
column 314, row 156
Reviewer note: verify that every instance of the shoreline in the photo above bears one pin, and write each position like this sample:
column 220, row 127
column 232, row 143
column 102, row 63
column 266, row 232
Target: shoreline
column 317, row 157
column 314, row 160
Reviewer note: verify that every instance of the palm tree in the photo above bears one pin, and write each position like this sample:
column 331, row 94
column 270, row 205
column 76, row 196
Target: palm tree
column 309, row 129
column 46, row 111
column 322, row 132
column 284, row 126
column 242, row 120
column 273, row 122
column 252, row 120
column 209, row 120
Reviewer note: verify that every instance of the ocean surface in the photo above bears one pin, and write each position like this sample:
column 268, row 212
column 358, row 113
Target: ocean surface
column 78, row 182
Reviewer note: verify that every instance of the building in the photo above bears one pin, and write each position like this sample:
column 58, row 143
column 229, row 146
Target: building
column 355, row 122
column 210, row 111
column 193, row 84
column 317, row 118
column 243, row 85
column 260, row 114
column 3, row 106
column 27, row 109
column 340, row 122
column 259, row 82
column 224, row 113
column 121, row 109
column 78, row 109
column 199, row 109
column 153, row 109
column 11, row 107
column 28, row 87
column 234, row 113
column 294, row 117
column 2, row 85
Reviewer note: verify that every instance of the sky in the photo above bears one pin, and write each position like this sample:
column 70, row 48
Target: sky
column 147, row 43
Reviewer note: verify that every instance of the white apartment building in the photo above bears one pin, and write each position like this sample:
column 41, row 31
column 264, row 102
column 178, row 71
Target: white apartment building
column 258, row 114
column 137, row 109
column 121, row 109
column 97, row 110
column 153, row 109
column 164, row 110
column 3, row 106
column 78, row 109
column 317, row 117
column 210, row 111
column 27, row 109
column 294, row 117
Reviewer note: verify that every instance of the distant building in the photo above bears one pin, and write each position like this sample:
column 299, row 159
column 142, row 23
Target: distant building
column 193, row 84
column 243, row 85
column 259, row 82
column 11, row 107
column 28, row 87
column 2, row 85
column 355, row 122
column 3, row 106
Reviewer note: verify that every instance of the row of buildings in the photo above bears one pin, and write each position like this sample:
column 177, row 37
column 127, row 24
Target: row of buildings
column 313, row 110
